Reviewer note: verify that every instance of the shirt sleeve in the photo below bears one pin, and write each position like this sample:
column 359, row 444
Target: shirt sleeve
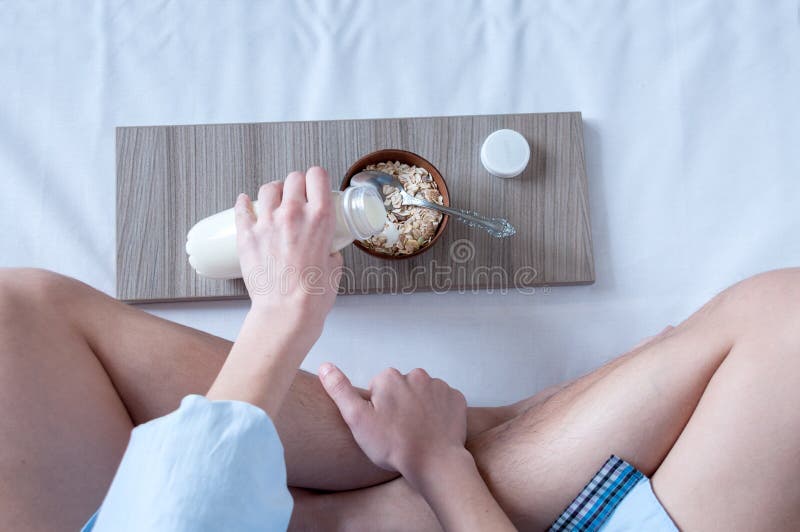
column 208, row 466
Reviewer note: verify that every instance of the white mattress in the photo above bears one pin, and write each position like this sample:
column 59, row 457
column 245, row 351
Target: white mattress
column 691, row 109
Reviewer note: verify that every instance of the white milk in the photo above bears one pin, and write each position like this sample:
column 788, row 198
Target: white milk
column 211, row 243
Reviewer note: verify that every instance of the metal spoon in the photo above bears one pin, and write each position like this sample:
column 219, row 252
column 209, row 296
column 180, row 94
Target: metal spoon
column 497, row 227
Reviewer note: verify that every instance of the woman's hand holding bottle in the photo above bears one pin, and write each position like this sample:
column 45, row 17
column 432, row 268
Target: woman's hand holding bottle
column 292, row 279
column 284, row 248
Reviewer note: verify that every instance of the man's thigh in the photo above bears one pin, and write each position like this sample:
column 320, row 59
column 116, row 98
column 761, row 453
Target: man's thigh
column 634, row 407
column 736, row 464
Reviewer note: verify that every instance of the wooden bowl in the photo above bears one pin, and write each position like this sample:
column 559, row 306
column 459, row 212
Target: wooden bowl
column 412, row 159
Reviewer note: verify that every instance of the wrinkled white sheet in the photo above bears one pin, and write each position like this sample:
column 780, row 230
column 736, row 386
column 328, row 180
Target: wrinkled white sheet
column 692, row 117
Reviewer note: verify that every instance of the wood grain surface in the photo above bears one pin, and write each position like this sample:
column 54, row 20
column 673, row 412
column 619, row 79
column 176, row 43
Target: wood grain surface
column 169, row 177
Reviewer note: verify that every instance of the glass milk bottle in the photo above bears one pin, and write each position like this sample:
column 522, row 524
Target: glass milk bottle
column 211, row 243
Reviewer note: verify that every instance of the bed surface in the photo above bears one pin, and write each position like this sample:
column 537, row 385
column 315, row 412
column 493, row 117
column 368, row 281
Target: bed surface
column 691, row 129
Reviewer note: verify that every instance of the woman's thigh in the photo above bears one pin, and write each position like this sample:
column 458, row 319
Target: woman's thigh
column 63, row 427
column 71, row 352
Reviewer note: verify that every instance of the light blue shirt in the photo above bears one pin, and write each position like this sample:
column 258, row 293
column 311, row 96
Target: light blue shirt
column 208, row 466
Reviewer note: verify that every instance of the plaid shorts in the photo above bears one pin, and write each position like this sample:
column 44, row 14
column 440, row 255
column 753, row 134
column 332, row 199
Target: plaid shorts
column 592, row 509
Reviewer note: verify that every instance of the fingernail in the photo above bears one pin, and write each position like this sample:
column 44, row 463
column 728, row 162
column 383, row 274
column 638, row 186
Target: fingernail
column 241, row 197
column 326, row 368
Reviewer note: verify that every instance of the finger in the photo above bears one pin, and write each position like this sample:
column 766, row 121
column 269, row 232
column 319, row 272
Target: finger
column 391, row 373
column 294, row 188
column 318, row 188
column 349, row 402
column 459, row 396
column 418, row 374
column 439, row 383
column 269, row 199
column 243, row 211
column 385, row 380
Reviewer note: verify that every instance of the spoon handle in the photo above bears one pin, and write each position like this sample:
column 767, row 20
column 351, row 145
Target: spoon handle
column 497, row 227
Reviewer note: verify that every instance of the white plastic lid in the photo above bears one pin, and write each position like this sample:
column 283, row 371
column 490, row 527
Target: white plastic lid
column 505, row 153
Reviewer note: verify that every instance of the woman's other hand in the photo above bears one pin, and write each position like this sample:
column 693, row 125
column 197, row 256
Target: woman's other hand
column 409, row 421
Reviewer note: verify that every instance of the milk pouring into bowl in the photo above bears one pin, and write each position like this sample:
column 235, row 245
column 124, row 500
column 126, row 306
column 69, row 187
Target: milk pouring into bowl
column 211, row 243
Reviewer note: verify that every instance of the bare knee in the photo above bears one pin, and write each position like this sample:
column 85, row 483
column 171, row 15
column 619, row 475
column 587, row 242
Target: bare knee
column 26, row 288
column 772, row 291
column 767, row 304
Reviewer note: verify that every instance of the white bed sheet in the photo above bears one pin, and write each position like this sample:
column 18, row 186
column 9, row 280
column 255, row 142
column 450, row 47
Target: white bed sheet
column 692, row 131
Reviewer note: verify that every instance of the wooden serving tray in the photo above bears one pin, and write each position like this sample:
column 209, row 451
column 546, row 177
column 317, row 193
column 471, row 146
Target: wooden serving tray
column 169, row 177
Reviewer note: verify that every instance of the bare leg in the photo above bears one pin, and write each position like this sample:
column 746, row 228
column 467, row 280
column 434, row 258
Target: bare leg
column 78, row 370
column 733, row 467
column 63, row 428
column 388, row 507
column 736, row 464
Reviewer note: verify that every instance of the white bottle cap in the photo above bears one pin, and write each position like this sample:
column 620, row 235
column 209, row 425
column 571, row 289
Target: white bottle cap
column 505, row 153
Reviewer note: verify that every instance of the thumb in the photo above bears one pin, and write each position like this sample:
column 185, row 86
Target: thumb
column 346, row 397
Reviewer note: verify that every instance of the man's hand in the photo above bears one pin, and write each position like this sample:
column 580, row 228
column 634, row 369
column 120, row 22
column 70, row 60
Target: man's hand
column 285, row 247
column 408, row 422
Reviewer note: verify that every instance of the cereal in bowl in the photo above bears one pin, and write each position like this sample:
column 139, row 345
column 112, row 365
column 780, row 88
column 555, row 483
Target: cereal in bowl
column 408, row 228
